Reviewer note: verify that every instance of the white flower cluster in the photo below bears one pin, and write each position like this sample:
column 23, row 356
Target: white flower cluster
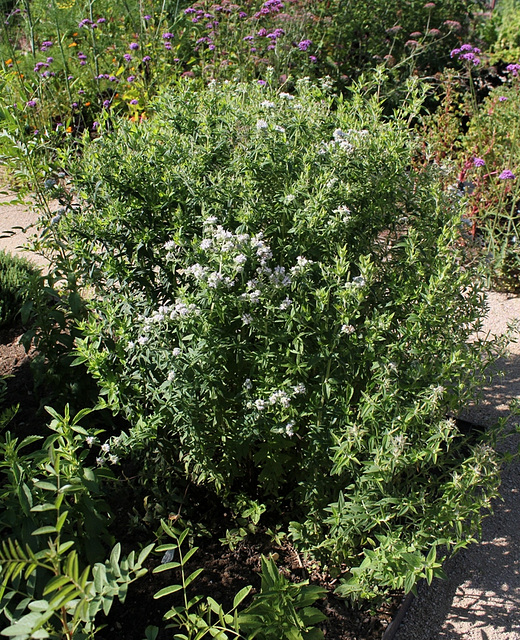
column 346, row 141
column 344, row 211
column 358, row 281
column 301, row 265
column 277, row 397
column 347, row 329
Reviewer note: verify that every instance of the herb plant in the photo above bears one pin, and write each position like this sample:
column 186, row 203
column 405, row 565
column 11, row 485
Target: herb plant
column 280, row 305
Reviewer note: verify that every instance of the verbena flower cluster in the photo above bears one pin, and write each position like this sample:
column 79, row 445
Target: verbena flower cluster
column 467, row 53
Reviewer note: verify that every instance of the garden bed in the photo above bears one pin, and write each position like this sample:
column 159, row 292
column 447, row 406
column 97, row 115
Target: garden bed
column 225, row 570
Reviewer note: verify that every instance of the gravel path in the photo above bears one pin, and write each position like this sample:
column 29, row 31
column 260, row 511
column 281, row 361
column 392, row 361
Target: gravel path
column 481, row 598
column 15, row 227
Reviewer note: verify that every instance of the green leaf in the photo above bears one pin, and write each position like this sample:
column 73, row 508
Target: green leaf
column 114, row 559
column 193, row 576
column 409, row 582
column 44, row 530
column 100, row 576
column 61, row 520
column 241, row 595
column 25, row 626
column 56, row 583
column 214, row 605
column 151, row 632
column 47, row 486
column 166, row 567
column 47, row 506
column 38, row 605
column 189, row 554
column 65, row 546
column 144, row 553
column 182, row 537
column 167, row 590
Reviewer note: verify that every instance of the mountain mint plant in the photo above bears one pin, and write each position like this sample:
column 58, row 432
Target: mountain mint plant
column 280, row 304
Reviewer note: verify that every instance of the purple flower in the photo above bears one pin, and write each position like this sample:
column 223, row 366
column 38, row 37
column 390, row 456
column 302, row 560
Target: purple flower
column 304, row 45
column 513, row 68
column 106, row 103
column 248, row 38
column 253, row 50
column 466, row 47
column 262, row 83
column 133, row 46
column 506, row 174
column 271, row 46
column 211, row 47
column 95, row 125
column 30, row 103
column 81, row 92
column 134, row 101
column 168, row 46
column 127, row 57
column 502, row 98
column 478, row 162
column 130, row 78
column 276, row 34
column 46, row 44
column 147, row 17
column 85, row 23
column 50, row 59
column 101, row 20
column 167, row 36
column 262, row 33
column 313, row 59
column 74, row 105
column 242, row 14
column 146, row 59
column 189, row 10
column 112, row 79
column 70, row 77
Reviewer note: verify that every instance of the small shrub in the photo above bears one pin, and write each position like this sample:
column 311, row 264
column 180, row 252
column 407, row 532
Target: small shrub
column 280, row 305
column 52, row 583
column 15, row 277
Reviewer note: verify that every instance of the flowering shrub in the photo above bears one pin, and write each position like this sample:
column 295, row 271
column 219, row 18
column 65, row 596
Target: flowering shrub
column 65, row 66
column 477, row 142
column 279, row 305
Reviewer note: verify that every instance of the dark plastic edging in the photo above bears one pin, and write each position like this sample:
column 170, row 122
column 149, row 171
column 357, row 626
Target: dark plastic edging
column 392, row 628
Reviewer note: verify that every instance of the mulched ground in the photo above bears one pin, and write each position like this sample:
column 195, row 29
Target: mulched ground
column 226, row 570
